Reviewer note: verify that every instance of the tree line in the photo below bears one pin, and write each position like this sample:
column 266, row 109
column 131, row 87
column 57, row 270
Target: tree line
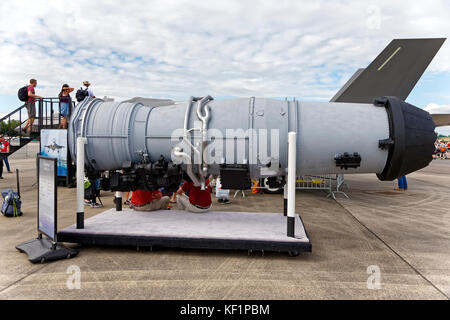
column 8, row 128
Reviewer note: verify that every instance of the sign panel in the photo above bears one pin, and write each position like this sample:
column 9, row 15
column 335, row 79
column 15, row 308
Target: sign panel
column 54, row 145
column 47, row 196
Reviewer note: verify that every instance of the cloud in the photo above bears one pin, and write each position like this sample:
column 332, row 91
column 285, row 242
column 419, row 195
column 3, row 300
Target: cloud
column 436, row 108
column 176, row 49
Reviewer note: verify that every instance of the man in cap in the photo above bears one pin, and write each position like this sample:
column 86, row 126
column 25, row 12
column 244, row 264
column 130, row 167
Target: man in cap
column 89, row 91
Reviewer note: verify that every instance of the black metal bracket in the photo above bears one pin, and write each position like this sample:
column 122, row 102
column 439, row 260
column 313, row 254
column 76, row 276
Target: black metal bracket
column 347, row 160
column 386, row 143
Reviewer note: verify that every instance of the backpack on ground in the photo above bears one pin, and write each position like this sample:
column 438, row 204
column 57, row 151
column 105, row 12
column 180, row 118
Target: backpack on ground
column 11, row 205
column 22, row 94
column 81, row 94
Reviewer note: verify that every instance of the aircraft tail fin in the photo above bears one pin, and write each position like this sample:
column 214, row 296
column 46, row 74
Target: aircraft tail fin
column 346, row 85
column 394, row 72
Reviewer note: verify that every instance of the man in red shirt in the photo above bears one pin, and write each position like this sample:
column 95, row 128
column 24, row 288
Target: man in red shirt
column 4, row 148
column 31, row 106
column 199, row 201
column 142, row 200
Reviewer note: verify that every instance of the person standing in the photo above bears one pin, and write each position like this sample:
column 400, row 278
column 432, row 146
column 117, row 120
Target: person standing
column 127, row 198
column 443, row 147
column 222, row 194
column 65, row 102
column 89, row 91
column 402, row 184
column 4, row 148
column 31, row 106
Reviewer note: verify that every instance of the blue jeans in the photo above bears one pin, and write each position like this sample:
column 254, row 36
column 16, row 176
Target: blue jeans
column 7, row 164
column 402, row 184
column 65, row 109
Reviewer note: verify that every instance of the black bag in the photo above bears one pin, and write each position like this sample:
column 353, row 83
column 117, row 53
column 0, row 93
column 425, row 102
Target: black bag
column 81, row 94
column 22, row 94
column 91, row 192
column 12, row 204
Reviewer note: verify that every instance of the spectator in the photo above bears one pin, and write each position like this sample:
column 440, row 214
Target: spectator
column 31, row 106
column 436, row 149
column 4, row 148
column 65, row 104
column 198, row 201
column 89, row 91
column 443, row 148
column 402, row 184
column 127, row 198
column 440, row 149
column 92, row 192
column 142, row 200
column 173, row 198
column 222, row 194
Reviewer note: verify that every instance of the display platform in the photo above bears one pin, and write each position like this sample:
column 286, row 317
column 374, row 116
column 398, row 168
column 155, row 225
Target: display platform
column 181, row 229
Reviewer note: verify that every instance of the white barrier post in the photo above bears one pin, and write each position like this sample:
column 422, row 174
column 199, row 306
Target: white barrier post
column 118, row 201
column 80, row 181
column 292, row 164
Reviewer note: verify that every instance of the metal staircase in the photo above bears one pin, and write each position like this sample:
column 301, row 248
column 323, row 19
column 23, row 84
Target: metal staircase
column 47, row 117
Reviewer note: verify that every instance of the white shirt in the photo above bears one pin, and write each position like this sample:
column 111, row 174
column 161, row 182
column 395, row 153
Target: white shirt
column 90, row 93
column 221, row 193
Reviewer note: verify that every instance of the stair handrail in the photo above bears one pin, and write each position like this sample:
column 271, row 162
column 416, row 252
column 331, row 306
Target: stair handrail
column 22, row 119
column 43, row 111
column 11, row 113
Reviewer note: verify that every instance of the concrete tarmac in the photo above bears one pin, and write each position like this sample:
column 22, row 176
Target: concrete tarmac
column 404, row 235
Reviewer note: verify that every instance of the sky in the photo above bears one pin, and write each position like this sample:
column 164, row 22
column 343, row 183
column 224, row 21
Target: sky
column 176, row 49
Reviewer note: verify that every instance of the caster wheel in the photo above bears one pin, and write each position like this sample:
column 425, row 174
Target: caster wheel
column 293, row 253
